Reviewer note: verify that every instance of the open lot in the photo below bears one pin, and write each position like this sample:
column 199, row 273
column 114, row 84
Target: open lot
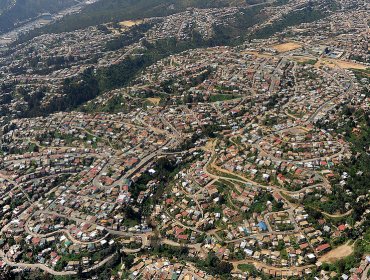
column 340, row 63
column 154, row 100
column 338, row 253
column 130, row 23
column 285, row 47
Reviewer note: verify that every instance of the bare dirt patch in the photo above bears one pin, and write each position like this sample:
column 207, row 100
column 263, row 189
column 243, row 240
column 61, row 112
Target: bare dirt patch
column 285, row 47
column 337, row 253
column 264, row 55
column 154, row 100
column 130, row 23
column 300, row 130
column 303, row 59
column 341, row 64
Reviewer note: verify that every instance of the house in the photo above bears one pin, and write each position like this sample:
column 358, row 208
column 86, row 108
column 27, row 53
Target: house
column 322, row 248
column 262, row 226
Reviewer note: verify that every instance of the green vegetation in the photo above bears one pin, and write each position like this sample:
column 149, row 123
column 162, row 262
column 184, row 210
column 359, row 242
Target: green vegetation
column 361, row 248
column 252, row 271
column 115, row 104
column 212, row 264
column 237, row 32
column 260, row 204
column 332, row 204
column 359, row 58
column 358, row 166
column 354, row 128
column 33, row 99
column 310, row 62
column 305, row 15
column 362, row 73
column 77, row 90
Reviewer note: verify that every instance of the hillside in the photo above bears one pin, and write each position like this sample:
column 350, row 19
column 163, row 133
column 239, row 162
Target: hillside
column 13, row 12
column 5, row 5
column 117, row 10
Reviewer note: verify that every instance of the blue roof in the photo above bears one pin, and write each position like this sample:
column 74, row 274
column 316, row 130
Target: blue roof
column 262, row 226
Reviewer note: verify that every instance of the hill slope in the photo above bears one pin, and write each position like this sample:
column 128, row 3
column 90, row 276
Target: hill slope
column 116, row 10
column 13, row 12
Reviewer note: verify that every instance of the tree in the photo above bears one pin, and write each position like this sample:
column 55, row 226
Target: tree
column 225, row 267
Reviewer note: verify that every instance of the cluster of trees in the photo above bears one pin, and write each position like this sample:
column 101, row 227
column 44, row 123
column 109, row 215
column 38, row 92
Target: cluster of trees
column 355, row 128
column 357, row 167
column 81, row 89
column 166, row 168
column 77, row 91
column 253, row 272
column 305, row 15
column 212, row 264
column 5, row 98
column 236, row 33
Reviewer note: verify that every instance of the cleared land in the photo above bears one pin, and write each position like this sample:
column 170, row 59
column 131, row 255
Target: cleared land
column 340, row 63
column 154, row 100
column 303, row 59
column 264, row 55
column 338, row 253
column 130, row 23
column 285, row 47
